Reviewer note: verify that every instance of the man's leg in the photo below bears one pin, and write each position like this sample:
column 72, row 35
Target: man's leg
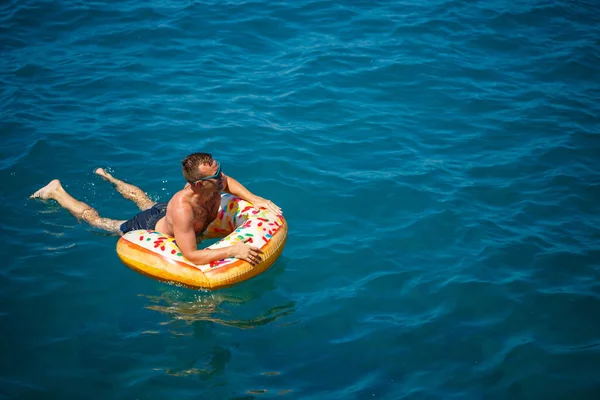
column 130, row 192
column 79, row 209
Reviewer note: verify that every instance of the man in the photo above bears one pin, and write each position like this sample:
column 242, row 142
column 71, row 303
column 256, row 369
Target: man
column 187, row 214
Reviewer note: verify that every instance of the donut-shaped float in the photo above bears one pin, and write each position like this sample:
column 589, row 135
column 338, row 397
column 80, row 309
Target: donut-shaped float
column 157, row 255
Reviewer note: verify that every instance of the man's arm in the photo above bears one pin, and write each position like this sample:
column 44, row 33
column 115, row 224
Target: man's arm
column 185, row 237
column 232, row 186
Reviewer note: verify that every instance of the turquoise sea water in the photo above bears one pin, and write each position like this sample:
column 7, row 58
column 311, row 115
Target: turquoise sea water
column 437, row 162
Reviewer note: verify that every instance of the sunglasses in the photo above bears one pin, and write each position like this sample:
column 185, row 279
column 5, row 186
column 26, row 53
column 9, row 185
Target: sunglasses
column 216, row 176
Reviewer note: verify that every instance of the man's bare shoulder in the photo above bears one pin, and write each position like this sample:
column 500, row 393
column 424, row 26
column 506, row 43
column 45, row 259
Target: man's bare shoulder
column 179, row 203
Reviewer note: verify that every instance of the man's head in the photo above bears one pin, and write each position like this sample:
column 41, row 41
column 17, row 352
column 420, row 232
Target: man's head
column 200, row 168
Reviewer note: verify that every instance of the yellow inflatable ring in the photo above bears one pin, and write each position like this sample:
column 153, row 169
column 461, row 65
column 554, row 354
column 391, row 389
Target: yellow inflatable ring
column 157, row 255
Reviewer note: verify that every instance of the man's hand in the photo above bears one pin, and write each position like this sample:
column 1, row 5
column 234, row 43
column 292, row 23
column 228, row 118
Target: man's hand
column 248, row 253
column 268, row 204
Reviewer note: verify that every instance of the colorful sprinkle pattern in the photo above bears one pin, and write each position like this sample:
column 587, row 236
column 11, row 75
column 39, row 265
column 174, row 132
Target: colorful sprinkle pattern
column 236, row 220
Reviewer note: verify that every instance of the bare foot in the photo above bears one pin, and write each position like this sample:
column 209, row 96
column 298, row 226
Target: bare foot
column 102, row 172
column 46, row 192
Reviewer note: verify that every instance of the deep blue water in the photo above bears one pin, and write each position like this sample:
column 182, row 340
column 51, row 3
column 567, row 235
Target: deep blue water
column 437, row 161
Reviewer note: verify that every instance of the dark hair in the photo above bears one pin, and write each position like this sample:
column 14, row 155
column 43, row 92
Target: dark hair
column 190, row 166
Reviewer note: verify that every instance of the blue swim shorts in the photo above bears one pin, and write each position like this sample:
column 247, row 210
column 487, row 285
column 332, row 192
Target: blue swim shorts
column 146, row 219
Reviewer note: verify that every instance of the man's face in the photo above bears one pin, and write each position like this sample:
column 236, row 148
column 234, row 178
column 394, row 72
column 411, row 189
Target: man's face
column 212, row 176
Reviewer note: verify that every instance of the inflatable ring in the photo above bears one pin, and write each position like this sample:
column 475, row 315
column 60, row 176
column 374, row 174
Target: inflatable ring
column 157, row 255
